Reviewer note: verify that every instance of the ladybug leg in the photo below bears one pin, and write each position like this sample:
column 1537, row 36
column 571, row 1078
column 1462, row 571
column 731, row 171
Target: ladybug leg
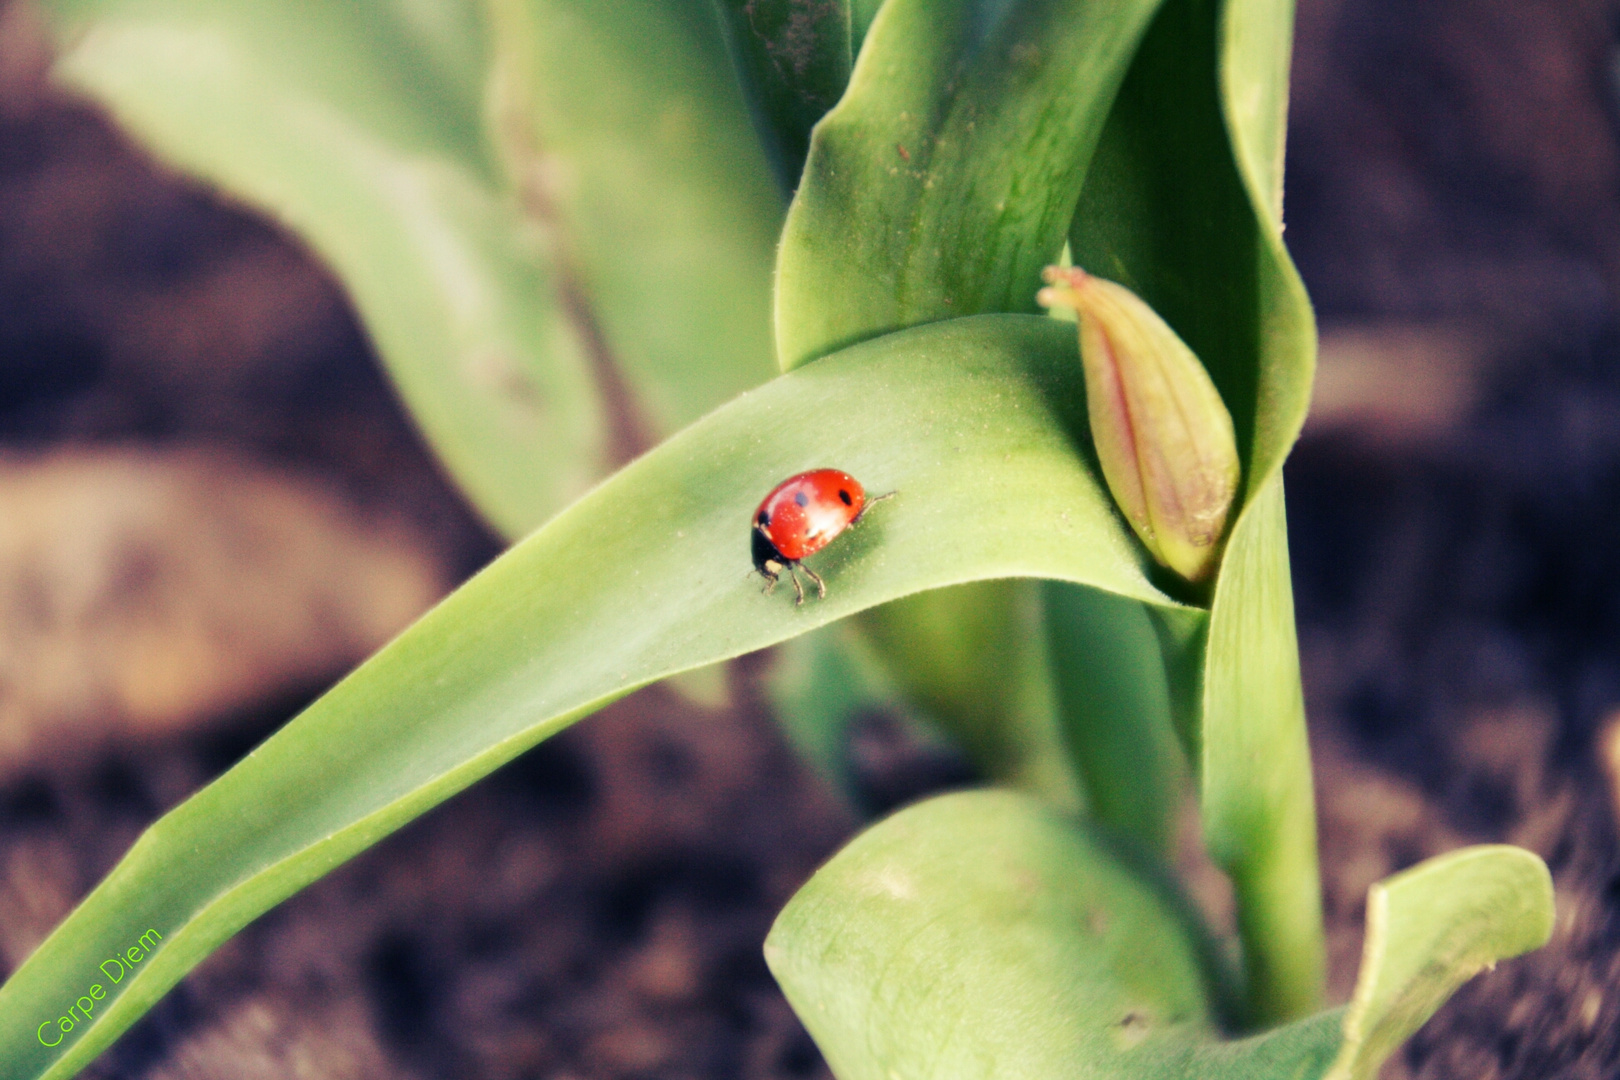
column 874, row 500
column 821, row 586
column 798, row 590
column 770, row 580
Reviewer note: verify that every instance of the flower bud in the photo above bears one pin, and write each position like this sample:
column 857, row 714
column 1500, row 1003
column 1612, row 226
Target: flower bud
column 1163, row 434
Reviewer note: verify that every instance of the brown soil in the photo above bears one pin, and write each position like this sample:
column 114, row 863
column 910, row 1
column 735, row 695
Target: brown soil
column 211, row 505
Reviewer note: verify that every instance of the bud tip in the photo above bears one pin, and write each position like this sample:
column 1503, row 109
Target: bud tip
column 1163, row 435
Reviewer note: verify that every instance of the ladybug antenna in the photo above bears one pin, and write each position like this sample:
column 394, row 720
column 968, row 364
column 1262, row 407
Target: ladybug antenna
column 873, row 501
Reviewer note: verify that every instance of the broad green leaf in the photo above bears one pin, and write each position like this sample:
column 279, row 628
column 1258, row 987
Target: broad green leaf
column 971, row 661
column 625, row 131
column 944, row 180
column 1431, row 929
column 793, row 59
column 1108, row 668
column 1181, row 206
column 985, row 934
column 976, row 423
column 514, row 310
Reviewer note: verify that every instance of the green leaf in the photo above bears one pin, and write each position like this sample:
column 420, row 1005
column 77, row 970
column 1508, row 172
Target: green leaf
column 1259, row 812
column 975, row 423
column 1167, row 213
column 944, row 180
column 357, row 127
column 625, row 132
column 940, row 186
column 818, row 685
column 964, row 657
column 970, row 684
column 1181, row 206
column 1431, row 929
column 861, row 14
column 513, row 311
column 1108, row 667
column 792, row 59
column 986, row 935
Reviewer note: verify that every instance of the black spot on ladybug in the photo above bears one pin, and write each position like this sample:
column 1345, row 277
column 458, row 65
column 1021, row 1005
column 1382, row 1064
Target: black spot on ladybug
column 764, row 518
column 802, row 499
column 842, row 494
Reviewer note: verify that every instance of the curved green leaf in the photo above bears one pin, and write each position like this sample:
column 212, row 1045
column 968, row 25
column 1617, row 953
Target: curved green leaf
column 1256, row 795
column 979, row 426
column 1431, row 929
column 944, row 180
column 985, row 935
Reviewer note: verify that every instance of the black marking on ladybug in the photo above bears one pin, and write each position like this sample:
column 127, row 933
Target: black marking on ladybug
column 802, row 499
column 764, row 518
column 842, row 494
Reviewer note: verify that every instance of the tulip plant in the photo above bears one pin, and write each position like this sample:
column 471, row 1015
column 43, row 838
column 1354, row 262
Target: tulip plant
column 776, row 235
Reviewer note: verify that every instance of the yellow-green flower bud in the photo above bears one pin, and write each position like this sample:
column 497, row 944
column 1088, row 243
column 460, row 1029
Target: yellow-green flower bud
column 1162, row 432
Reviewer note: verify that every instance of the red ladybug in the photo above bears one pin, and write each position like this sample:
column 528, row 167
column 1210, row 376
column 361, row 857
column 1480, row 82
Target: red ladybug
column 799, row 517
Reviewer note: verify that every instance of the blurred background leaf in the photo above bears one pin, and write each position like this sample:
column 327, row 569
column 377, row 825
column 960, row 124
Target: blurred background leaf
column 554, row 280
column 657, row 195
column 792, row 60
column 967, row 661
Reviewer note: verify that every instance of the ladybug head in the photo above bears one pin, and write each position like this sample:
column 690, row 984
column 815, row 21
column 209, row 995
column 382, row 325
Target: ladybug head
column 767, row 560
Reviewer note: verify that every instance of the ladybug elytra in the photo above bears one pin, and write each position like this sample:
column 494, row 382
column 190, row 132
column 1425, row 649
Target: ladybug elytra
column 801, row 516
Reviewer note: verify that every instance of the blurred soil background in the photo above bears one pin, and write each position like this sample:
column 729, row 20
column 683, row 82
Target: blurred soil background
column 211, row 506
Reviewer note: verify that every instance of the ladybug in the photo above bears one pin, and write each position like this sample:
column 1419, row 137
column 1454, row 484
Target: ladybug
column 801, row 516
